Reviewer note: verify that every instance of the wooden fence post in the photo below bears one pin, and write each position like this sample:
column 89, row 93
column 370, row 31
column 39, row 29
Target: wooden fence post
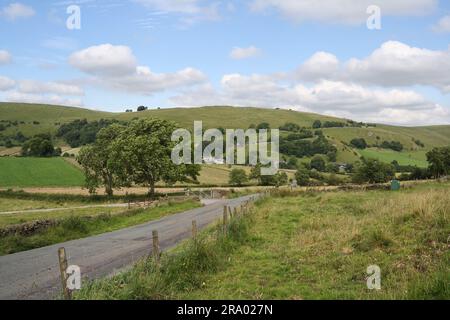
column 225, row 219
column 156, row 254
column 194, row 229
column 63, row 268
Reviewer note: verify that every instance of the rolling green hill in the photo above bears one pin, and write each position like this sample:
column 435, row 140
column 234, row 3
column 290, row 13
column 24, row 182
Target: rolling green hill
column 47, row 118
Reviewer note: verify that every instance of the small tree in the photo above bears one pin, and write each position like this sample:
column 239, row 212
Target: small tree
column 302, row 176
column 263, row 126
column 359, row 143
column 317, row 124
column 238, row 177
column 281, row 179
column 318, row 163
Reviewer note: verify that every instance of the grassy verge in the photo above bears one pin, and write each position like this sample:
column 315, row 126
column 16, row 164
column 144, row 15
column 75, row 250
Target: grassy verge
column 181, row 270
column 76, row 227
column 310, row 246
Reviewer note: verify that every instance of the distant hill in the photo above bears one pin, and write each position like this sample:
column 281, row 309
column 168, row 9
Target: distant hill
column 47, row 118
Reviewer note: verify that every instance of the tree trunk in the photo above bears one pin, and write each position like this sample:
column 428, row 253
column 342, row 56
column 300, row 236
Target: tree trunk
column 108, row 186
column 151, row 192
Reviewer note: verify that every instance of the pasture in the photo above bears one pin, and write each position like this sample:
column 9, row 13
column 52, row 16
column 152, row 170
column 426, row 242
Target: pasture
column 38, row 172
column 414, row 158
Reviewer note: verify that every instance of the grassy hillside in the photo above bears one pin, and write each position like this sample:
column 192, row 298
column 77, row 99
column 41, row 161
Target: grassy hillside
column 38, row 172
column 48, row 118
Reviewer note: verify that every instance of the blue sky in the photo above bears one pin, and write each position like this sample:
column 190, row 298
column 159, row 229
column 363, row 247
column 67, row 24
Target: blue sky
column 316, row 56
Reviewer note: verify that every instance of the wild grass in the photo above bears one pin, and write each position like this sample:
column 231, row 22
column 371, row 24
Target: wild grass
column 309, row 246
column 182, row 270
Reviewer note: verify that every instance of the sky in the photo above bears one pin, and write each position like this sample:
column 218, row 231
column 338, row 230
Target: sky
column 331, row 57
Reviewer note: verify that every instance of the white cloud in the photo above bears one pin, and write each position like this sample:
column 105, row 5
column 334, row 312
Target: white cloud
column 443, row 25
column 37, row 87
column 342, row 11
column 322, row 65
column 16, row 96
column 146, row 82
column 6, row 83
column 397, row 64
column 5, row 57
column 244, row 53
column 105, row 60
column 116, row 67
column 336, row 98
column 17, row 10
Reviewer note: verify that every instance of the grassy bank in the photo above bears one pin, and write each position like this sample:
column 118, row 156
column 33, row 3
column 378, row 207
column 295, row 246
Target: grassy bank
column 309, row 246
column 93, row 222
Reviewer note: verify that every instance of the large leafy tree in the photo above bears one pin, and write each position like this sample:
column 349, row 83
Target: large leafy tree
column 374, row 171
column 142, row 155
column 439, row 159
column 98, row 162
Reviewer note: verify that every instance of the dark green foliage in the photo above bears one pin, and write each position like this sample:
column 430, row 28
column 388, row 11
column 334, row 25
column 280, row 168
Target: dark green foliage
column 289, row 126
column 40, row 146
column 373, row 171
column 306, row 148
column 317, row 124
column 393, row 145
column 238, row 177
column 333, row 124
column 439, row 159
column 318, row 163
column 359, row 143
column 263, row 126
column 81, row 132
column 302, row 176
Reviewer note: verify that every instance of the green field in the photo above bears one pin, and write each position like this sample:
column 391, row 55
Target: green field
column 38, row 172
column 415, row 158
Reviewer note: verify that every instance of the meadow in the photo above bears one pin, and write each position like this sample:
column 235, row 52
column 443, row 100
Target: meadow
column 38, row 172
column 414, row 158
column 307, row 246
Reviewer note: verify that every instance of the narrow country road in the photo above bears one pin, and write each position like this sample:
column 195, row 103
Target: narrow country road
column 35, row 274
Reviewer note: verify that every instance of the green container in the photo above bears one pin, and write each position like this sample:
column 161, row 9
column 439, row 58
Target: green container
column 395, row 185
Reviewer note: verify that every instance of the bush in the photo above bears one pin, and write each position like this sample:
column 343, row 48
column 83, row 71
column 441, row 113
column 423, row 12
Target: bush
column 40, row 146
column 359, row 143
column 393, row 145
column 302, row 176
column 318, row 163
column 238, row 177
